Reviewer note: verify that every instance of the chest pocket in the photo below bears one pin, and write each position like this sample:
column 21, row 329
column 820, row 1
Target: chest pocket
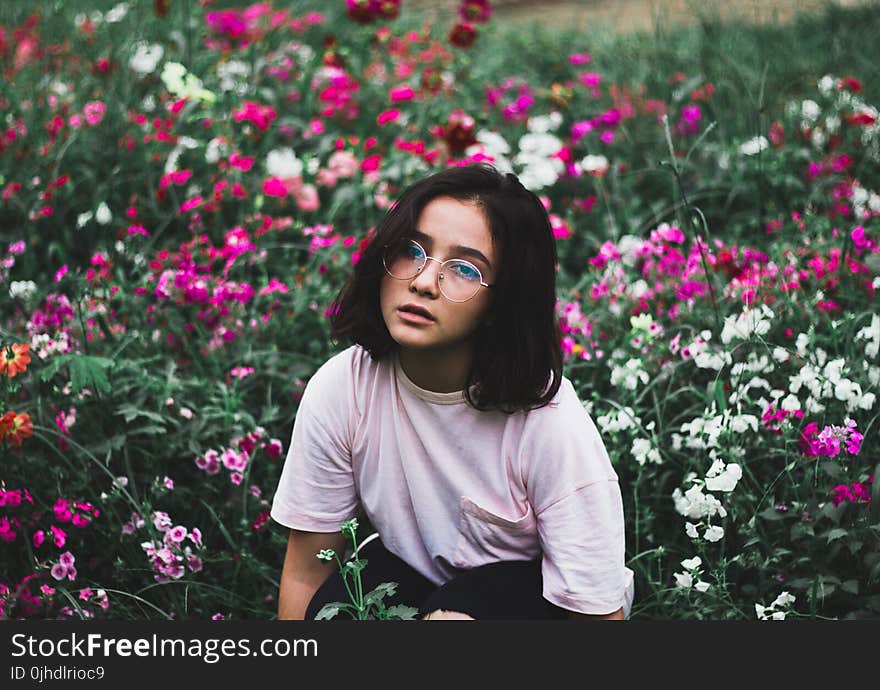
column 487, row 538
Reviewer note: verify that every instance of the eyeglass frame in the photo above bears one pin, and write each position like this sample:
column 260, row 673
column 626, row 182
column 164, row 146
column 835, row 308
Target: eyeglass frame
column 440, row 274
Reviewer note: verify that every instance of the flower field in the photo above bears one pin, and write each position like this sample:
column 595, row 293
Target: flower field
column 185, row 186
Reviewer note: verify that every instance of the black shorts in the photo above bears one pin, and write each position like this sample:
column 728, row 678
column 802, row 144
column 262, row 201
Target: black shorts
column 508, row 590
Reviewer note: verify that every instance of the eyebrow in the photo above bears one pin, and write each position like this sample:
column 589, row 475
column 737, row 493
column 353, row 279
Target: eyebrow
column 457, row 249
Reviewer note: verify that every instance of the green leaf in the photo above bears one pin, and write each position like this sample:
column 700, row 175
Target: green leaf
column 850, row 586
column 720, row 396
column 130, row 412
column 835, row 533
column 86, row 371
column 386, row 589
column 329, row 611
column 401, row 612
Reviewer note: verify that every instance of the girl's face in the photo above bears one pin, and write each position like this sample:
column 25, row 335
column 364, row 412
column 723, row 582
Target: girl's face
column 447, row 229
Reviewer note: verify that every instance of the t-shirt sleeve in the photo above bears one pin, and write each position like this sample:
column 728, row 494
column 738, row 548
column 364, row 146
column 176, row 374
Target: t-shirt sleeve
column 316, row 491
column 575, row 494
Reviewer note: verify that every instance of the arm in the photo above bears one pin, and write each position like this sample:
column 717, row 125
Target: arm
column 616, row 616
column 303, row 573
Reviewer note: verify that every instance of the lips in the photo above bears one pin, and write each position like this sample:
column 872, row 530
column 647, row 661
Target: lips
column 416, row 309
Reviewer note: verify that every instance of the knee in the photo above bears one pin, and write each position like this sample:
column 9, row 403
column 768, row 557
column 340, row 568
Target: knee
column 441, row 615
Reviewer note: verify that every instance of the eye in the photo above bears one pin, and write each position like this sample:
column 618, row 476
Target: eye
column 465, row 271
column 412, row 251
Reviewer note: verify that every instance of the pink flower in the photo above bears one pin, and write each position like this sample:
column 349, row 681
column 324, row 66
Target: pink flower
column 241, row 372
column 579, row 58
column 343, row 164
column 401, row 93
column 307, row 198
column 236, row 478
column 38, row 538
column 60, row 273
column 590, row 79
column 177, row 534
column 59, row 536
column 59, row 572
column 94, row 112
column 387, row 116
column 66, row 559
column 274, row 449
column 274, row 187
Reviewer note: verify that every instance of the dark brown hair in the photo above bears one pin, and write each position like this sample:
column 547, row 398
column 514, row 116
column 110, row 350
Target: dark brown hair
column 517, row 356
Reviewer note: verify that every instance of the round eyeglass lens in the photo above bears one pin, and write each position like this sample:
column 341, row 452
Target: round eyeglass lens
column 459, row 279
column 404, row 260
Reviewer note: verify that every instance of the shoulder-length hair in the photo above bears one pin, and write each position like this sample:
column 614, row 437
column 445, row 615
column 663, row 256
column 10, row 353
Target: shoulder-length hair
column 517, row 355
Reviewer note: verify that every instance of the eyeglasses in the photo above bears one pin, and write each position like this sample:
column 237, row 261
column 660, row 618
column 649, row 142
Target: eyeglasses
column 459, row 279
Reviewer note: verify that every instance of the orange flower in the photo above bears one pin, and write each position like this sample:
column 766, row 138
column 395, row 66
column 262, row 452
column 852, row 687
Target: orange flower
column 22, row 428
column 14, row 359
column 6, row 423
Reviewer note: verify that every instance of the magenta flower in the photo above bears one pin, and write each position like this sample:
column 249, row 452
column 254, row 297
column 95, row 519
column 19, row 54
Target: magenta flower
column 59, row 572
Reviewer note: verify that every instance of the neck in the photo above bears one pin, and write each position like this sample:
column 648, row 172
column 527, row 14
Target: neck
column 439, row 371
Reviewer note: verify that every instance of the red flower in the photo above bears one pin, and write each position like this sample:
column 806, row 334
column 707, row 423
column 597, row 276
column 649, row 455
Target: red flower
column 475, row 10
column 161, row 7
column 362, row 11
column 777, row 134
column 14, row 359
column 388, row 9
column 22, row 428
column 850, row 83
column 463, row 35
column 460, row 131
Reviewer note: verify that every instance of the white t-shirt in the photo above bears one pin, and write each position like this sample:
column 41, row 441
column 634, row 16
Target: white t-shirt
column 449, row 487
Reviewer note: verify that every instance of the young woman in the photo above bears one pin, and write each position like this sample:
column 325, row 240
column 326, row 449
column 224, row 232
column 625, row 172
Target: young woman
column 449, row 425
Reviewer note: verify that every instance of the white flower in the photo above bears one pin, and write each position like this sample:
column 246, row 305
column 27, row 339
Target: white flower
column 784, row 599
column 102, row 214
column 539, row 171
column 146, row 58
column 826, row 85
column 683, row 580
column 117, row 13
column 743, row 422
column 694, row 504
column 629, row 374
column 692, row 563
column 713, row 533
column 724, row 480
column 691, row 530
column 215, row 149
column 748, row 322
column 760, row 611
column 810, row 112
column 754, row 146
column 778, row 615
column 701, row 586
column 595, row 165
column 544, row 123
column 872, row 334
column 539, row 143
column 790, row 403
column 234, row 76
column 183, row 84
column 283, row 163
column 22, row 289
column 866, row 402
column 780, row 354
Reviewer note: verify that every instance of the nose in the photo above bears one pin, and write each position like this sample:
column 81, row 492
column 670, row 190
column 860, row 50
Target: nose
column 426, row 282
